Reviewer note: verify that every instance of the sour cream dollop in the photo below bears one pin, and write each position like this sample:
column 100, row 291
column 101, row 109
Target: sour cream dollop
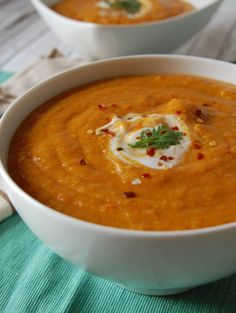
column 146, row 6
column 125, row 131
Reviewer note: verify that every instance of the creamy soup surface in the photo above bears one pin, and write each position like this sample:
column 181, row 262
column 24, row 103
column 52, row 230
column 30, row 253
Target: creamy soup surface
column 121, row 11
column 144, row 152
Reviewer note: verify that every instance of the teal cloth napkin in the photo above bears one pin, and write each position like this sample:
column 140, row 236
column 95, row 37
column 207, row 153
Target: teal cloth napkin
column 33, row 279
column 4, row 76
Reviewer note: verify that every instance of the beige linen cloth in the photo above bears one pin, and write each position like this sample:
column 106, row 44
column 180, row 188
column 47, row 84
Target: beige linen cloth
column 41, row 69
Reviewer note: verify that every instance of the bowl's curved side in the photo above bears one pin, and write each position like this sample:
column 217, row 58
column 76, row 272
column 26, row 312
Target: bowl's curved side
column 150, row 265
column 145, row 262
column 102, row 41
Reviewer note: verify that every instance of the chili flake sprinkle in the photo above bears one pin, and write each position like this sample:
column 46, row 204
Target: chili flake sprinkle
column 119, row 149
column 146, row 175
column 170, row 158
column 200, row 156
column 130, row 194
column 151, row 152
column 82, row 162
column 102, row 107
column 197, row 145
column 107, row 131
column 178, row 112
column 198, row 113
column 175, row 128
column 164, row 158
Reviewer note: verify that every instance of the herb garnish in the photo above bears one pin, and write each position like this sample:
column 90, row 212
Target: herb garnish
column 130, row 6
column 162, row 137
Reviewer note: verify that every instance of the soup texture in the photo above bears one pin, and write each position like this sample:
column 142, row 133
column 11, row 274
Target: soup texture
column 151, row 152
column 121, row 11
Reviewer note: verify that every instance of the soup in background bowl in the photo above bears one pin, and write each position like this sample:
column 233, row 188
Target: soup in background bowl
column 98, row 41
column 151, row 262
column 121, row 12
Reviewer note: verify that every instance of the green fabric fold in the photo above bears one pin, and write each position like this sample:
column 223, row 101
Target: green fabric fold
column 34, row 279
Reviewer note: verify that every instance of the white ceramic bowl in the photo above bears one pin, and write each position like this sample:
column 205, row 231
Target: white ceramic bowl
column 147, row 262
column 101, row 41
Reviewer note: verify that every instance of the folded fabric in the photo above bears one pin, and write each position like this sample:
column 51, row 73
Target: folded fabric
column 41, row 69
column 33, row 279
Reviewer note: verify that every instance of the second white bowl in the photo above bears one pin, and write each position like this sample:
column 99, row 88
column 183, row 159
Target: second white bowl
column 102, row 41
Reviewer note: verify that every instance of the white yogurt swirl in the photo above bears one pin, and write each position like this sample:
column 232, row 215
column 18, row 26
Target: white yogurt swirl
column 146, row 6
column 126, row 130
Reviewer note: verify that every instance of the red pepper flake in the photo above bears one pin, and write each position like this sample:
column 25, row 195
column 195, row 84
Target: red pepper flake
column 164, row 158
column 198, row 113
column 82, row 162
column 197, row 145
column 170, row 158
column 175, row 128
column 114, row 105
column 160, row 164
column 149, row 134
column 200, row 156
column 146, row 175
column 178, row 112
column 206, row 105
column 184, row 134
column 119, row 149
column 102, row 107
column 130, row 194
column 151, row 152
column 107, row 131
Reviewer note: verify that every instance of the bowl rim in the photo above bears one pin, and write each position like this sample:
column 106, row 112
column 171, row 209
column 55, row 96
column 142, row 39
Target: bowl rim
column 123, row 232
column 121, row 26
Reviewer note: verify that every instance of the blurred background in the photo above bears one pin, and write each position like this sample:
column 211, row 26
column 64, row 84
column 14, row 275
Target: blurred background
column 24, row 36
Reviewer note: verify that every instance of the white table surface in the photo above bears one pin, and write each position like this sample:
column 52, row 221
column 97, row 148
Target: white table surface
column 24, row 36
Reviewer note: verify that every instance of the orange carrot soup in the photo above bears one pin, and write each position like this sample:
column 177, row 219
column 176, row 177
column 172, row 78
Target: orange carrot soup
column 142, row 152
column 121, row 11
